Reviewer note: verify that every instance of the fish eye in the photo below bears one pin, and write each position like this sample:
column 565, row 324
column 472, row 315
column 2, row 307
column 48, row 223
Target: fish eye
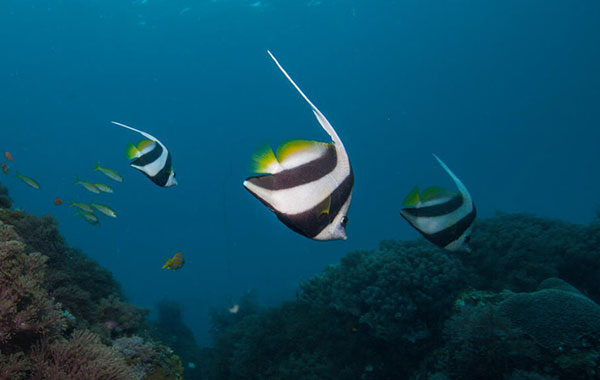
column 344, row 221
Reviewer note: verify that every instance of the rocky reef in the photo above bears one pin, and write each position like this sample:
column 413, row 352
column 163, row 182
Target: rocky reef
column 63, row 317
column 522, row 305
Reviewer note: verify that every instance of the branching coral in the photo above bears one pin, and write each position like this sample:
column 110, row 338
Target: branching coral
column 82, row 356
column 26, row 312
column 400, row 291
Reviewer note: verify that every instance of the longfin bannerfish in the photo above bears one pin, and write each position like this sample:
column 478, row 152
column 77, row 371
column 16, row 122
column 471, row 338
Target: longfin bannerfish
column 443, row 217
column 308, row 185
column 152, row 158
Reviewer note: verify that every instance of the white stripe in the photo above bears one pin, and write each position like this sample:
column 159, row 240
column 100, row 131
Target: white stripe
column 433, row 224
column 298, row 199
column 156, row 166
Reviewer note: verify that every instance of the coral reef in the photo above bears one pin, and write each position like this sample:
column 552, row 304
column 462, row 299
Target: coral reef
column 521, row 305
column 557, row 319
column 59, row 312
column 5, row 200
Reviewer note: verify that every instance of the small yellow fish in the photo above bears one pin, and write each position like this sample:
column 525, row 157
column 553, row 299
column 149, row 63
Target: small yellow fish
column 28, row 180
column 89, row 217
column 104, row 209
column 82, row 206
column 88, row 186
column 112, row 174
column 174, row 262
column 104, row 188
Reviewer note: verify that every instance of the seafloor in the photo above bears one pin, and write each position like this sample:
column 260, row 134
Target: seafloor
column 521, row 305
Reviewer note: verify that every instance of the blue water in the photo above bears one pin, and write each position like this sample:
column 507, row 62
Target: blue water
column 506, row 93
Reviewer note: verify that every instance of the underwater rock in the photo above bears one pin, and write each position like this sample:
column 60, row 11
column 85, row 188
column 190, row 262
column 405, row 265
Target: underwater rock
column 556, row 318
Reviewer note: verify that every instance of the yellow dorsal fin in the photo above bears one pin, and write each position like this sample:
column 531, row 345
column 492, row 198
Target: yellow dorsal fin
column 435, row 192
column 264, row 160
column 131, row 152
column 412, row 199
column 144, row 144
column 294, row 147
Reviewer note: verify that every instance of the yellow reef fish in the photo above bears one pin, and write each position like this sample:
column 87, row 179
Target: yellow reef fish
column 88, row 186
column 112, row 174
column 28, row 180
column 104, row 209
column 104, row 188
column 174, row 262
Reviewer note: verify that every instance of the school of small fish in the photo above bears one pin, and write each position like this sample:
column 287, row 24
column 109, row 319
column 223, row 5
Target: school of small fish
column 308, row 185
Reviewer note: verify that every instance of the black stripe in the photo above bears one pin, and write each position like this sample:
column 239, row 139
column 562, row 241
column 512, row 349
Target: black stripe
column 305, row 173
column 149, row 157
column 449, row 234
column 310, row 223
column 162, row 177
column 445, row 208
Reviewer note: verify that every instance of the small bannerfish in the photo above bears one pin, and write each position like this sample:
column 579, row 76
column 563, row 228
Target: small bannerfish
column 104, row 188
column 58, row 202
column 152, row 158
column 28, row 180
column 104, row 209
column 443, row 217
column 234, row 309
column 8, row 156
column 112, row 174
column 89, row 217
column 308, row 185
column 82, row 206
column 175, row 262
column 88, row 186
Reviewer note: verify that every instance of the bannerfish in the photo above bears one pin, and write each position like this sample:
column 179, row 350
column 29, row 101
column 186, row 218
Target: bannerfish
column 89, row 217
column 308, row 185
column 104, row 188
column 82, row 206
column 112, row 174
column 28, row 180
column 104, row 209
column 443, row 217
column 151, row 158
column 175, row 262
column 88, row 186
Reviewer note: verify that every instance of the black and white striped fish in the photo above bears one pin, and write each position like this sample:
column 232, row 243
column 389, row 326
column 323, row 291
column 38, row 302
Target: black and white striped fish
column 308, row 185
column 152, row 158
column 443, row 217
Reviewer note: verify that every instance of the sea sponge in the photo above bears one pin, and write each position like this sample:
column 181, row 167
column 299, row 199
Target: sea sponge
column 556, row 318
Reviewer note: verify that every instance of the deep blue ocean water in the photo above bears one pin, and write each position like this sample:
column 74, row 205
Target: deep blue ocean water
column 507, row 93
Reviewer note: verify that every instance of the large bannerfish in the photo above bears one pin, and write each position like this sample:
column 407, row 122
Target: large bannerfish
column 152, row 158
column 308, row 185
column 443, row 217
